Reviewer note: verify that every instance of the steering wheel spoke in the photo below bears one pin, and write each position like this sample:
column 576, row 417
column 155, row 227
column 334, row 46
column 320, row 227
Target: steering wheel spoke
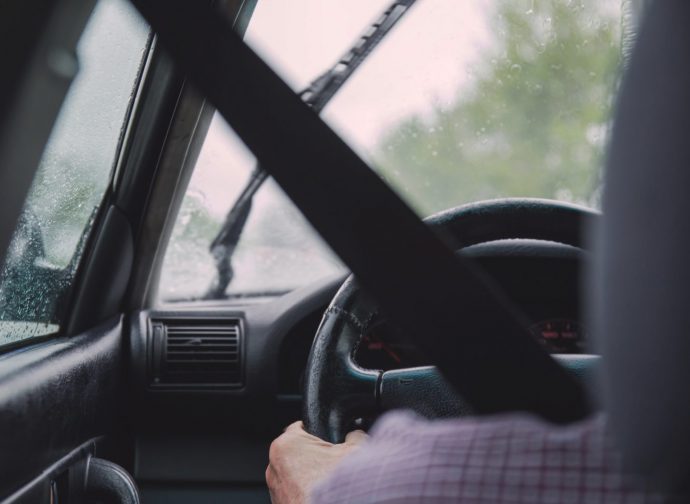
column 423, row 390
column 345, row 390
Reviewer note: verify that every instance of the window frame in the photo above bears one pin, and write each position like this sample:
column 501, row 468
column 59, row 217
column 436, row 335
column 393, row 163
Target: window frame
column 191, row 115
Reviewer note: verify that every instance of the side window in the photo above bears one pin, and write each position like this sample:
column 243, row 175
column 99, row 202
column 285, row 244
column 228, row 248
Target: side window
column 73, row 176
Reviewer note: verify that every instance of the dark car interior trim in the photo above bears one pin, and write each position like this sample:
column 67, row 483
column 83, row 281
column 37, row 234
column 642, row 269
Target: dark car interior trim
column 67, row 395
column 109, row 263
column 188, row 118
column 64, row 477
column 222, row 434
column 188, row 127
column 50, row 382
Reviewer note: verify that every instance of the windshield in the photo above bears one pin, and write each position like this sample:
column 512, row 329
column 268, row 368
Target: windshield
column 505, row 98
column 463, row 101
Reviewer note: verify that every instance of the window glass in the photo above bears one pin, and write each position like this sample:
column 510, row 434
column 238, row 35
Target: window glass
column 462, row 101
column 278, row 250
column 466, row 101
column 502, row 98
column 74, row 173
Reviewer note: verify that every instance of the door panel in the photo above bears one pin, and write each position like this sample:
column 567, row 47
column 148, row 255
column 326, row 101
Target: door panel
column 61, row 365
column 56, row 396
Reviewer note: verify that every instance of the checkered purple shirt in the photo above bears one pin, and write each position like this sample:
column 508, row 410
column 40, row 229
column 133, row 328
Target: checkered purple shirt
column 513, row 459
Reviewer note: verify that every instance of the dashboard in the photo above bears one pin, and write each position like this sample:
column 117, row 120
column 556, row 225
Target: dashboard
column 381, row 348
column 543, row 279
column 177, row 353
column 272, row 339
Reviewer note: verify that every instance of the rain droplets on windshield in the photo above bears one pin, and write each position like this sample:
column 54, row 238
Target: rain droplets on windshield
column 275, row 235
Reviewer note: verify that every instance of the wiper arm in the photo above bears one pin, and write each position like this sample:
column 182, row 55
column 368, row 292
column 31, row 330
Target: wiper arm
column 224, row 244
column 323, row 88
column 317, row 95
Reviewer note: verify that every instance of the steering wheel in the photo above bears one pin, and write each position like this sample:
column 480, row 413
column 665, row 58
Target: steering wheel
column 338, row 390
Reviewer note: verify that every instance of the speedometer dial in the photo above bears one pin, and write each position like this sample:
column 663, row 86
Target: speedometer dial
column 560, row 335
column 382, row 349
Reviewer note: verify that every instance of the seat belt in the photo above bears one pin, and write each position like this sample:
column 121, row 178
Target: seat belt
column 317, row 95
column 446, row 307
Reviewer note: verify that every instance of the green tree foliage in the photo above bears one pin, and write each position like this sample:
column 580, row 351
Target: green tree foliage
column 532, row 123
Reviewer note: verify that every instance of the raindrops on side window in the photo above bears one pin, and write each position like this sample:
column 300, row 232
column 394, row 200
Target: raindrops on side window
column 75, row 170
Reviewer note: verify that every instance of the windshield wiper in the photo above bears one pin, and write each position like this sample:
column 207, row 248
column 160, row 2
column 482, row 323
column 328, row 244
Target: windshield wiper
column 316, row 95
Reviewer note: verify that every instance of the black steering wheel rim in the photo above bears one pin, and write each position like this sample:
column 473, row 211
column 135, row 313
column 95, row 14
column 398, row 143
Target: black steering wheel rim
column 337, row 389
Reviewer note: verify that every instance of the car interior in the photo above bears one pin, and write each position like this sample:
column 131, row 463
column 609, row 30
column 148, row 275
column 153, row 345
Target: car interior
column 163, row 318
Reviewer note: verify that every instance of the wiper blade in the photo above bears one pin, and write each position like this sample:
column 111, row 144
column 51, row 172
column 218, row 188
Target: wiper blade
column 224, row 244
column 323, row 88
column 317, row 95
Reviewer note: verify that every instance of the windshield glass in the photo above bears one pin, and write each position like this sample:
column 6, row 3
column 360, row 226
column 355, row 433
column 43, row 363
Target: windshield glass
column 484, row 99
column 462, row 101
column 278, row 250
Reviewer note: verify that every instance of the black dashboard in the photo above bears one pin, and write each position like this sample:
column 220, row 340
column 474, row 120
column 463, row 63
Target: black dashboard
column 272, row 339
column 226, row 373
column 542, row 277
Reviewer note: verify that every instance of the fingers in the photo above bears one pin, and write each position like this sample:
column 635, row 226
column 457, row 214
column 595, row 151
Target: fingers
column 353, row 438
column 297, row 460
column 296, row 431
column 295, row 426
column 356, row 437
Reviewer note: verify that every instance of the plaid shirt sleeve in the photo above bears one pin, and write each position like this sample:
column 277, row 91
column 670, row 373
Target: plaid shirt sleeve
column 514, row 459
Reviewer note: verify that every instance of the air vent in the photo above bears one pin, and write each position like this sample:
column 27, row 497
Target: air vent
column 196, row 353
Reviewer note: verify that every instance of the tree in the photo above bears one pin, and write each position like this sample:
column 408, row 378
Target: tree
column 532, row 124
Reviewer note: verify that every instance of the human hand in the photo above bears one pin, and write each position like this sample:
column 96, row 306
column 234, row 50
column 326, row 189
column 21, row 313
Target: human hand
column 298, row 460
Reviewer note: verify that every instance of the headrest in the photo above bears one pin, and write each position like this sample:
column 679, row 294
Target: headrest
column 641, row 300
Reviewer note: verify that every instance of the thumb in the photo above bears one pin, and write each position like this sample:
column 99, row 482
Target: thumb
column 356, row 437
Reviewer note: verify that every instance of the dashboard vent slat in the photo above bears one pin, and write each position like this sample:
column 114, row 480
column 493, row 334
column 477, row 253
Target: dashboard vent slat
column 196, row 353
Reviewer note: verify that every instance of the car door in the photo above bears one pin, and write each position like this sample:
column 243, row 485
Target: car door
column 61, row 386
